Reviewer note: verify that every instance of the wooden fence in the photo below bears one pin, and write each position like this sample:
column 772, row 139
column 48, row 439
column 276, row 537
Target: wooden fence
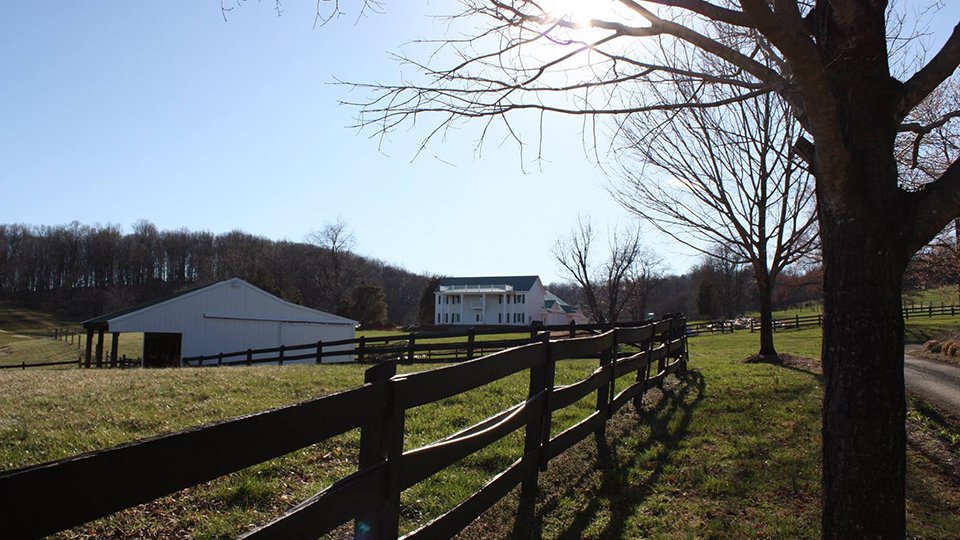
column 50, row 497
column 798, row 322
column 412, row 347
column 24, row 365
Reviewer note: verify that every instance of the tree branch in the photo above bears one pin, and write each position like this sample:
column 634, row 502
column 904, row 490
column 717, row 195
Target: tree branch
column 937, row 70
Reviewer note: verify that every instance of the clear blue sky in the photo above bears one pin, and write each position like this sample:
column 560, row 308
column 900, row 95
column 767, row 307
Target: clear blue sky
column 118, row 111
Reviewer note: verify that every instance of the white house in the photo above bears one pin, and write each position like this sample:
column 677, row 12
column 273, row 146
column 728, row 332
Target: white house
column 502, row 300
column 227, row 316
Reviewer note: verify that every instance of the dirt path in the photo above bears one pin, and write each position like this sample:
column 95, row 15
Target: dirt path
column 936, row 382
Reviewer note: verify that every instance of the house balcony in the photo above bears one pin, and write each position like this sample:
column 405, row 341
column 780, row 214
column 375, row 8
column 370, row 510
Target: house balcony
column 476, row 305
column 474, row 289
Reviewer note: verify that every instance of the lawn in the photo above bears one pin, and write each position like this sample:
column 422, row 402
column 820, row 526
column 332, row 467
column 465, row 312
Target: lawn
column 729, row 451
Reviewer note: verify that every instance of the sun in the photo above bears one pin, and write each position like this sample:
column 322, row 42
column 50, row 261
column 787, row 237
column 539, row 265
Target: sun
column 578, row 14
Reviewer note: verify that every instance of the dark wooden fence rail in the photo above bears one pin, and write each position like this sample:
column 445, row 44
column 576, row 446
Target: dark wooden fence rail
column 405, row 347
column 50, row 497
column 24, row 365
column 798, row 322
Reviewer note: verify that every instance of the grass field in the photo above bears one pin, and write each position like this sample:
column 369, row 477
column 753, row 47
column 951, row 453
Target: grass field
column 730, row 451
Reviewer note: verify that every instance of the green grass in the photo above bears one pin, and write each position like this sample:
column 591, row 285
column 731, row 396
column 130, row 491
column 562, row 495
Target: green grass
column 940, row 295
column 731, row 451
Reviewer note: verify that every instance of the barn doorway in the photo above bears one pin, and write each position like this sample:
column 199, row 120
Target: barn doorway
column 161, row 349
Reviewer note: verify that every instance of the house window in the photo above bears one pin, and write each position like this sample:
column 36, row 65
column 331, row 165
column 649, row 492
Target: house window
column 499, row 317
column 508, row 298
column 446, row 317
column 438, row 299
column 499, row 298
column 446, row 299
column 438, row 318
column 479, row 317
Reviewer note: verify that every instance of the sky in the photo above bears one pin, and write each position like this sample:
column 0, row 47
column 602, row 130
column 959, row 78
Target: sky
column 117, row 111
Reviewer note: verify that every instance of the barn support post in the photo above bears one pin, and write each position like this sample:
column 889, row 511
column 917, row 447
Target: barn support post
column 89, row 346
column 114, row 345
column 100, row 347
column 319, row 351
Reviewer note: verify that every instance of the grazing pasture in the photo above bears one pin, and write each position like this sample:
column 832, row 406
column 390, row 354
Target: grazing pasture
column 731, row 450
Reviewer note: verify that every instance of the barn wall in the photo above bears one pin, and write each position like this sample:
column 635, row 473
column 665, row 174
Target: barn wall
column 212, row 321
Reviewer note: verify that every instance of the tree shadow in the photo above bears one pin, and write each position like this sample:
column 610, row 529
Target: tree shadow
column 614, row 461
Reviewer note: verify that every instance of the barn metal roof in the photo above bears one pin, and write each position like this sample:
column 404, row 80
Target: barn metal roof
column 103, row 321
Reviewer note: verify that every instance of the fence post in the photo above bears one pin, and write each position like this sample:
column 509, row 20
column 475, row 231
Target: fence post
column 319, row 351
column 249, row 357
column 537, row 433
column 360, row 349
column 644, row 375
column 930, row 310
column 282, row 349
column 471, row 343
column 603, row 391
column 573, row 328
column 381, row 439
column 797, row 319
column 411, row 344
column 662, row 362
column 686, row 351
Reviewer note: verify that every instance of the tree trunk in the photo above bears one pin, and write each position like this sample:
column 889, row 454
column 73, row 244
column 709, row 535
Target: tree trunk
column 864, row 410
column 767, row 350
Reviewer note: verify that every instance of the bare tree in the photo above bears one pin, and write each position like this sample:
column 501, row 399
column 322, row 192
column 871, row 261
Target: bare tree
column 335, row 273
column 830, row 60
column 727, row 176
column 929, row 141
column 611, row 286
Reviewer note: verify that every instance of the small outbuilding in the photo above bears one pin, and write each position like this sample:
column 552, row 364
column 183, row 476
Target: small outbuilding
column 226, row 316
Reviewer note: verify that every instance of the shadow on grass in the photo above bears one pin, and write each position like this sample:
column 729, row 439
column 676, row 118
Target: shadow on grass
column 614, row 456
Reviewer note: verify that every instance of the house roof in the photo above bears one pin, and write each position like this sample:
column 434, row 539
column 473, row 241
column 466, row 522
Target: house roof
column 549, row 299
column 519, row 283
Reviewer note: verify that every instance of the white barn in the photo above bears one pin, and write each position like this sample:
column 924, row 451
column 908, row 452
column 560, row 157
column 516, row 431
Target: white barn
column 226, row 316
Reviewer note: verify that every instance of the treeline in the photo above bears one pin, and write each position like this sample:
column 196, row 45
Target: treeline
column 81, row 271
